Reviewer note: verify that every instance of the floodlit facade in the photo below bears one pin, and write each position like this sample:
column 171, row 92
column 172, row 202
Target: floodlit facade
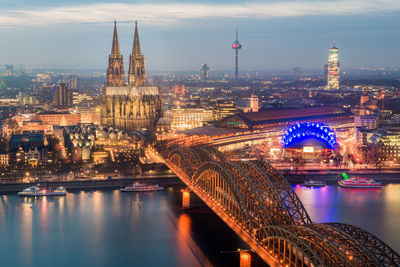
column 133, row 106
column 333, row 69
column 189, row 118
column 388, row 145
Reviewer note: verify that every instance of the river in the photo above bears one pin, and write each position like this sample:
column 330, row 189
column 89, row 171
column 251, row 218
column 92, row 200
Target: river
column 110, row 228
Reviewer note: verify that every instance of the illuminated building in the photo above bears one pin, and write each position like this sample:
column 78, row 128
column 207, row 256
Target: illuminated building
column 308, row 139
column 133, row 106
column 3, row 159
column 27, row 148
column 204, row 73
column 248, row 104
column 89, row 115
column 96, row 143
column 62, row 95
column 254, row 102
column 267, row 119
column 367, row 121
column 388, row 143
column 224, row 108
column 333, row 69
column 188, row 118
column 179, row 90
column 80, row 98
column 58, row 118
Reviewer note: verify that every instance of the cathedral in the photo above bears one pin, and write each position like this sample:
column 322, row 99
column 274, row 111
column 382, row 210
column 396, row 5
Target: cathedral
column 130, row 105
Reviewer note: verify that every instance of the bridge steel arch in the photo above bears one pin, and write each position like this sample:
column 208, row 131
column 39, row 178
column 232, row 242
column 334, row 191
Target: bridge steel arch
column 258, row 203
column 292, row 202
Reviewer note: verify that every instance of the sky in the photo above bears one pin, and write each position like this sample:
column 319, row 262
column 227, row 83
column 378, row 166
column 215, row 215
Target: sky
column 181, row 35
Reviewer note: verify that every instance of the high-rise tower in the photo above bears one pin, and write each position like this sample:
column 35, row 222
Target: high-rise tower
column 137, row 72
column 115, row 70
column 62, row 95
column 204, row 73
column 333, row 69
column 236, row 46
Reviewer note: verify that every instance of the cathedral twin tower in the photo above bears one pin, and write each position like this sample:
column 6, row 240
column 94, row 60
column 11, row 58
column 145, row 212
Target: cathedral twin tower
column 129, row 106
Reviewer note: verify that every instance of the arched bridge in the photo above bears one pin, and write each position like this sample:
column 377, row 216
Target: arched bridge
column 258, row 203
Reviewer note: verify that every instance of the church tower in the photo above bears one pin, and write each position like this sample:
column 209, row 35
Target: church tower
column 254, row 102
column 137, row 72
column 115, row 70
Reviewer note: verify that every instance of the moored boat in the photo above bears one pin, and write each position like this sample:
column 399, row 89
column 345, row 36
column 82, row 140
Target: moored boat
column 38, row 191
column 138, row 187
column 359, row 182
column 312, row 183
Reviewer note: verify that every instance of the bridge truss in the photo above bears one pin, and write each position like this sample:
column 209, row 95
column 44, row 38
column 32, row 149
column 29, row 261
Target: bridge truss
column 258, row 203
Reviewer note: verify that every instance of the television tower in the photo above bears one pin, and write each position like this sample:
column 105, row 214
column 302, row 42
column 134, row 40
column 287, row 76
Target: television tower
column 236, row 46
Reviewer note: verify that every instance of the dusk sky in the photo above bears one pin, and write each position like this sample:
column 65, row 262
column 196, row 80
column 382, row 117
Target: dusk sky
column 182, row 35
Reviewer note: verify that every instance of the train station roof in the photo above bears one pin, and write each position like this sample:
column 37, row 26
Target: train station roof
column 275, row 117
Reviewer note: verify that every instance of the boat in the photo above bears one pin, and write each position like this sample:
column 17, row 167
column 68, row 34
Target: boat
column 38, row 191
column 312, row 183
column 138, row 187
column 359, row 182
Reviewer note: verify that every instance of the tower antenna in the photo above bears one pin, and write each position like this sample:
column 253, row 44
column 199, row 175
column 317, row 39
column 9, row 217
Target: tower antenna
column 236, row 46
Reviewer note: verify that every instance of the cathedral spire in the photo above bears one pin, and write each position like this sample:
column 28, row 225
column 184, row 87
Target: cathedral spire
column 136, row 44
column 115, row 52
column 137, row 72
column 115, row 70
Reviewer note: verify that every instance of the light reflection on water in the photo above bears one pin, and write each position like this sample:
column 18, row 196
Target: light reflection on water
column 375, row 210
column 93, row 228
column 110, row 228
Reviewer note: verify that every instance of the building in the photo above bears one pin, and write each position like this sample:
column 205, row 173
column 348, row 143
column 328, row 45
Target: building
column 3, row 159
column 388, row 145
column 81, row 98
column 204, row 73
column 366, row 121
column 224, row 108
column 73, row 82
column 62, row 95
column 58, row 118
column 333, row 69
column 27, row 148
column 179, row 90
column 254, row 102
column 188, row 118
column 131, row 106
column 268, row 119
column 9, row 70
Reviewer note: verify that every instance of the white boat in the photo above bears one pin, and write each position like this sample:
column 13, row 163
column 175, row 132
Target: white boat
column 138, row 187
column 312, row 183
column 358, row 182
column 37, row 191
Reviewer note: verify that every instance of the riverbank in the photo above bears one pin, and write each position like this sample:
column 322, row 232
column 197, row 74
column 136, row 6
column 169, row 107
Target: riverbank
column 97, row 184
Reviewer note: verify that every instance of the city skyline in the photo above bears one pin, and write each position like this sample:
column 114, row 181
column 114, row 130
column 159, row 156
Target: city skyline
column 275, row 35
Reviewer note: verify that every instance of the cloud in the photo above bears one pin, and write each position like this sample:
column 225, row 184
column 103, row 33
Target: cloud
column 167, row 13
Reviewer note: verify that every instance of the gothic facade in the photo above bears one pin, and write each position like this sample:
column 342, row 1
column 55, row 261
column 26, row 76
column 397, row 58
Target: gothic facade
column 133, row 105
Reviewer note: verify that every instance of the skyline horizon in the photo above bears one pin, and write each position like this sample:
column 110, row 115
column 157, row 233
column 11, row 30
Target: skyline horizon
column 182, row 36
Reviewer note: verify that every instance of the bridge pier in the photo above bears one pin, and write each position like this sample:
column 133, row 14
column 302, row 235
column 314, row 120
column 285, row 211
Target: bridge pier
column 185, row 199
column 245, row 258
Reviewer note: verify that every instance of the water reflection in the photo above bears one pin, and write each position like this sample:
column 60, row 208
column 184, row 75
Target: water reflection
column 375, row 210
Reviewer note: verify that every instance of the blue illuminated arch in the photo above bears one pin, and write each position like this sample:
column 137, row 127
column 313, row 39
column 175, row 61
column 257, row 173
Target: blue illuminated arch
column 303, row 130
